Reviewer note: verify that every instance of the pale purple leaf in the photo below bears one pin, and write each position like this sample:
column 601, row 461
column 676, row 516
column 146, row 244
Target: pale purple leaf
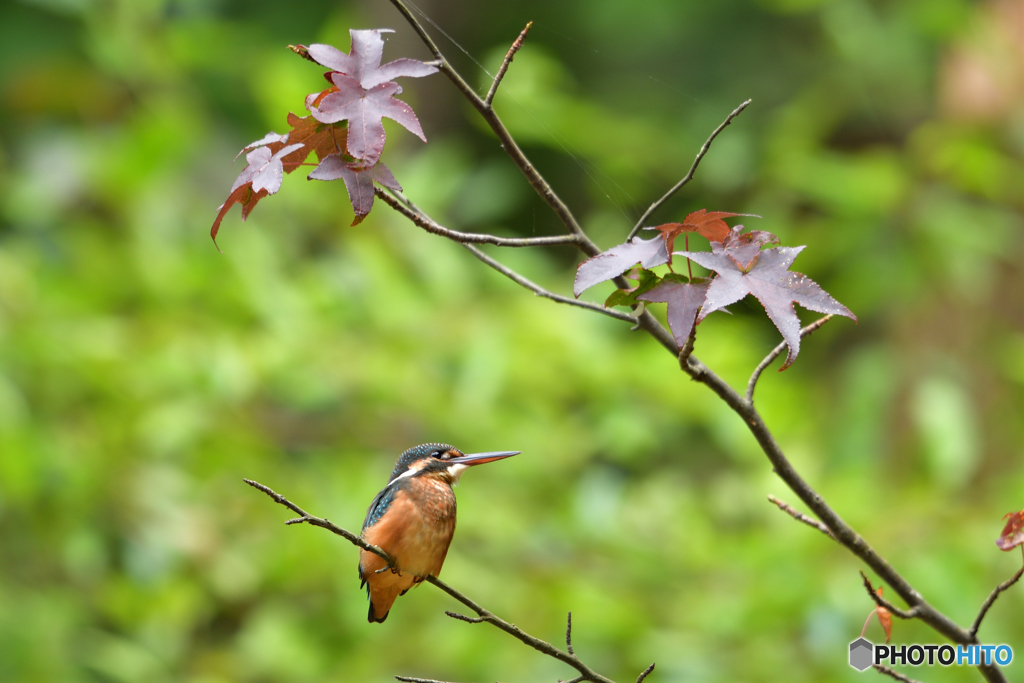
column 617, row 260
column 267, row 139
column 363, row 64
column 684, row 300
column 358, row 181
column 364, row 109
column 268, row 171
column 769, row 279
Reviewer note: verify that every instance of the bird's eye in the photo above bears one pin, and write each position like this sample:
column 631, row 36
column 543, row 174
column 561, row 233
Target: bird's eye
column 444, row 455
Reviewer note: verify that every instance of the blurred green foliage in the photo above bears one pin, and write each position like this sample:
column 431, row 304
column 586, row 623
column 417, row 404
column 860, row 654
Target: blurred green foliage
column 143, row 374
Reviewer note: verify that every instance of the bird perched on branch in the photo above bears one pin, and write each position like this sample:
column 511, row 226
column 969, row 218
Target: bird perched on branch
column 413, row 519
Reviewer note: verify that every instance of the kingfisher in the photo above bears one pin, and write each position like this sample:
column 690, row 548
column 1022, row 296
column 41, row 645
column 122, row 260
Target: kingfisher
column 412, row 519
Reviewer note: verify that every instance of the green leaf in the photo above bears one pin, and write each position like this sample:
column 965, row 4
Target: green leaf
column 646, row 281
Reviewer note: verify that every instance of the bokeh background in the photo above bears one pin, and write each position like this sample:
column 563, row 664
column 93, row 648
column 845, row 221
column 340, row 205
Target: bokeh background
column 143, row 374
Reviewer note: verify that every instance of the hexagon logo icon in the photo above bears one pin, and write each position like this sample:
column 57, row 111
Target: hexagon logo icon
column 861, row 651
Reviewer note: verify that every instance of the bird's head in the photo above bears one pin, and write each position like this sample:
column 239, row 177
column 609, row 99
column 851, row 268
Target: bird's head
column 441, row 460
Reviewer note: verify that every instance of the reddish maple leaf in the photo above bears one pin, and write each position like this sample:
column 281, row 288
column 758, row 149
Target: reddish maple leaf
column 359, row 180
column 710, row 225
column 365, row 92
column 324, row 139
column 617, row 260
column 1013, row 532
column 884, row 617
column 261, row 177
column 684, row 299
column 743, row 268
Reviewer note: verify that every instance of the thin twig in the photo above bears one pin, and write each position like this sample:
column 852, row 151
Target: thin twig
column 893, row 674
column 541, row 646
column 410, row 679
column 801, row 517
column 540, row 291
column 504, row 64
column 305, row 517
column 687, row 350
column 430, row 225
column 912, row 613
column 645, row 673
column 992, row 598
column 776, row 352
column 463, row 617
column 508, row 143
column 568, row 634
column 689, row 174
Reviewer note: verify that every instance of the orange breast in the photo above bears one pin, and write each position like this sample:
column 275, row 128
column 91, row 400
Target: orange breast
column 415, row 531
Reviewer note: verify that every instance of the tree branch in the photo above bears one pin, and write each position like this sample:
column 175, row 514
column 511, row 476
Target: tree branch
column 645, row 673
column 992, row 598
column 843, row 533
column 463, row 617
column 689, row 175
column 801, row 517
column 540, row 291
column 568, row 633
column 776, row 352
column 542, row 646
column 508, row 143
column 504, row 64
column 882, row 602
column 432, row 226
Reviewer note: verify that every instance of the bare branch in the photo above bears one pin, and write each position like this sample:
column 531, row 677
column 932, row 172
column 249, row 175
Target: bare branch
column 540, row 291
column 430, row 225
column 992, row 598
column 508, row 143
column 504, row 64
column 568, row 634
column 463, row 617
column 776, row 352
column 912, row 613
column 843, row 533
column 319, row 521
column 893, row 674
column 542, row 646
column 801, row 517
column 645, row 673
column 410, row 679
column 687, row 350
column 689, row 175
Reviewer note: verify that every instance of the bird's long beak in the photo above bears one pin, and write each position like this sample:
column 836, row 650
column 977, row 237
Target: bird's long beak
column 481, row 458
